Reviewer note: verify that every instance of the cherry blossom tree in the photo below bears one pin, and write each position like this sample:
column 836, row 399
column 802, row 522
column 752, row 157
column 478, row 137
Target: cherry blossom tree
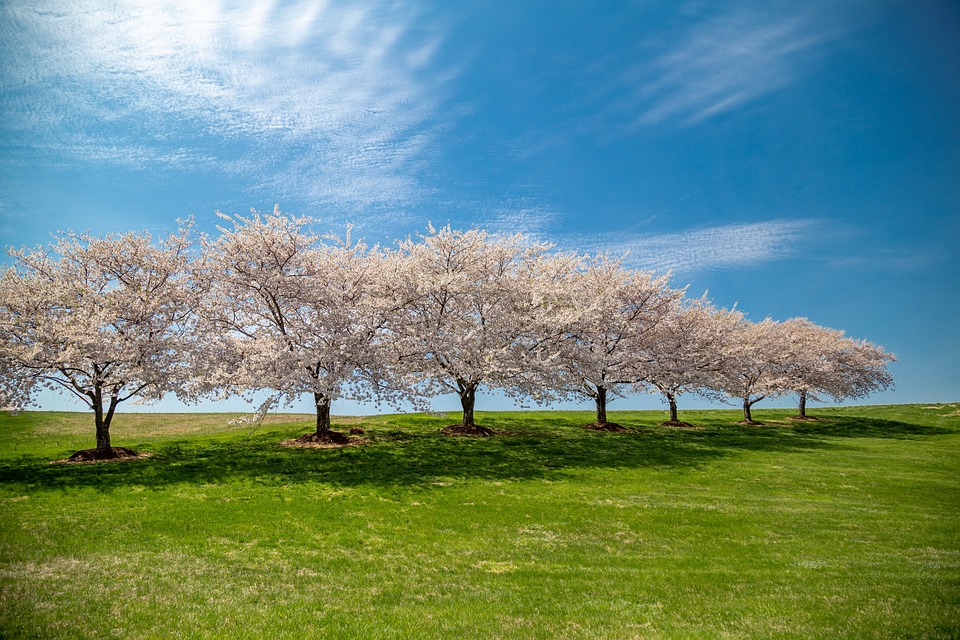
column 754, row 364
column 613, row 314
column 861, row 369
column 818, row 361
column 468, row 314
column 686, row 352
column 102, row 318
column 293, row 313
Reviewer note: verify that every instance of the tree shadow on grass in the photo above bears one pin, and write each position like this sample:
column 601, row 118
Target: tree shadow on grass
column 851, row 427
column 536, row 449
column 410, row 452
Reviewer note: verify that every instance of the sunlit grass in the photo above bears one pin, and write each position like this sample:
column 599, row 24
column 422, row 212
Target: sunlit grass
column 846, row 527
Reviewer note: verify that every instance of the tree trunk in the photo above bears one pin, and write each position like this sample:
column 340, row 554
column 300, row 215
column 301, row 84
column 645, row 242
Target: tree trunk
column 104, row 450
column 103, row 428
column 323, row 413
column 102, row 420
column 803, row 404
column 746, row 410
column 601, row 400
column 467, row 427
column 468, row 398
column 672, row 400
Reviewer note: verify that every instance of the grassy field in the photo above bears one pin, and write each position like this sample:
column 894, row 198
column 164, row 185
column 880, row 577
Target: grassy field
column 846, row 527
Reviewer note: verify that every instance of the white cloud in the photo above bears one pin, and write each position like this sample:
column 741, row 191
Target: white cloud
column 335, row 98
column 712, row 66
column 702, row 250
column 725, row 63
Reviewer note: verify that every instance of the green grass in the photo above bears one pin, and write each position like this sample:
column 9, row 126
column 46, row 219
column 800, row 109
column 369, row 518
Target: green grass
column 847, row 527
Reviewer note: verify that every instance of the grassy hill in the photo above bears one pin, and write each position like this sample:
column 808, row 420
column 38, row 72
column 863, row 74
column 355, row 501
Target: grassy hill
column 844, row 527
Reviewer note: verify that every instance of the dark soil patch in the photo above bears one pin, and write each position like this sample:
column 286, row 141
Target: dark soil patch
column 678, row 424
column 469, row 431
column 324, row 437
column 113, row 454
column 606, row 426
column 751, row 423
column 806, row 418
column 324, row 440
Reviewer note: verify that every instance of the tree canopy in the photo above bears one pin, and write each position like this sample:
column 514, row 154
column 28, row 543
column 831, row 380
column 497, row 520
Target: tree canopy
column 269, row 305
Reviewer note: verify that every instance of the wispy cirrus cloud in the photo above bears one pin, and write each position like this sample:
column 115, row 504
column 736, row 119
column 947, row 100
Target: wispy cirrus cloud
column 336, row 101
column 712, row 66
column 730, row 246
column 725, row 63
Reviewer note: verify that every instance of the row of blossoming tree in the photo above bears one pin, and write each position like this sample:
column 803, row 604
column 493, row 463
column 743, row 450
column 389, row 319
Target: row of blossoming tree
column 268, row 305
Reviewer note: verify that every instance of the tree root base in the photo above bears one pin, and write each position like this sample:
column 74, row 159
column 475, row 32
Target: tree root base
column 324, row 437
column 467, row 430
column 605, row 426
column 678, row 424
column 751, row 423
column 113, row 454
column 805, row 418
column 327, row 440
column 94, row 455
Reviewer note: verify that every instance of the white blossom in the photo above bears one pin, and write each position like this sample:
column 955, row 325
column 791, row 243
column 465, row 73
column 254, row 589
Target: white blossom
column 468, row 306
column 607, row 331
column 291, row 312
column 104, row 318
column 687, row 351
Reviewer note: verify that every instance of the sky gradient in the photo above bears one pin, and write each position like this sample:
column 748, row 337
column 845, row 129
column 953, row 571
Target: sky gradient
column 797, row 159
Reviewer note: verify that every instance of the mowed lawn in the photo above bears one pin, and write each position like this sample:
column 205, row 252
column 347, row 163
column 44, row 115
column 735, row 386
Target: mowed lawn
column 846, row 527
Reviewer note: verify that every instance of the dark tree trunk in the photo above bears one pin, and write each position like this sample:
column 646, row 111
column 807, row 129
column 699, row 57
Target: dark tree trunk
column 323, row 434
column 803, row 404
column 101, row 419
column 672, row 400
column 104, row 450
column 467, row 427
column 103, row 429
column 601, row 399
column 746, row 410
column 468, row 398
column 323, row 413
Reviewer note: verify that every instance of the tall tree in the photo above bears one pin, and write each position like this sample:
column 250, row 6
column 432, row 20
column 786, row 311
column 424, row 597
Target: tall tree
column 290, row 312
column 102, row 318
column 468, row 307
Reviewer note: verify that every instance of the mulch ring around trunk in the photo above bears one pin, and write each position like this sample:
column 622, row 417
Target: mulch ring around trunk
column 805, row 418
column 93, row 456
column 680, row 425
column 324, row 440
column 606, row 426
column 468, row 431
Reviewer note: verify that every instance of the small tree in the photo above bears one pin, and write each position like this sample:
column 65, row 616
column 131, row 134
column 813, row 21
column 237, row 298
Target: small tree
column 685, row 353
column 294, row 313
column 823, row 362
column 103, row 318
column 468, row 306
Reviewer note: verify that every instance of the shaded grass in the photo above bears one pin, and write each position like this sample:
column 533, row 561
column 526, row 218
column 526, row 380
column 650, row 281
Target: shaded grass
column 845, row 527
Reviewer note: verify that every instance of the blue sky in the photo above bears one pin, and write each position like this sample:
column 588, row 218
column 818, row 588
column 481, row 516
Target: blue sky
column 798, row 159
